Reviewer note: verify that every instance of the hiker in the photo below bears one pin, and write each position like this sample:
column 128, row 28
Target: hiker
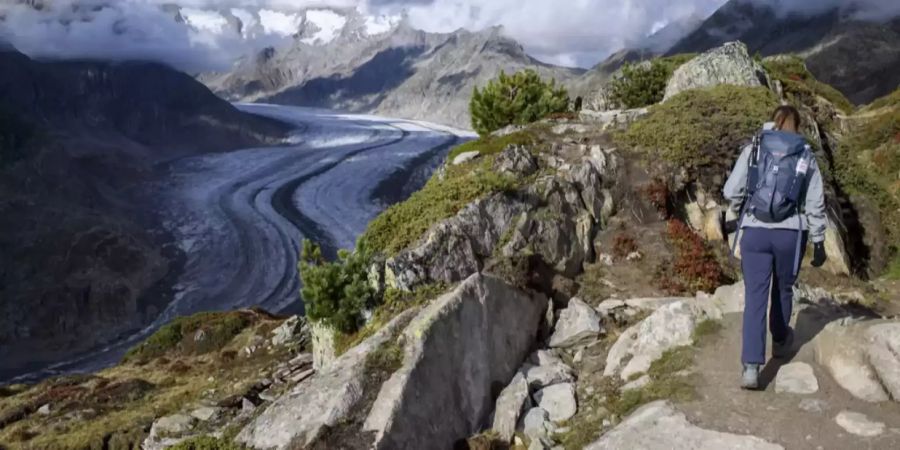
column 776, row 190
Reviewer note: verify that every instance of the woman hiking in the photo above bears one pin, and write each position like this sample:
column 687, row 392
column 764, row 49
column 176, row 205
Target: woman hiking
column 776, row 190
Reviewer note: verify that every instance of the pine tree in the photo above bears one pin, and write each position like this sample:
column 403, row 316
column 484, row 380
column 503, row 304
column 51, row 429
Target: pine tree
column 335, row 293
column 518, row 99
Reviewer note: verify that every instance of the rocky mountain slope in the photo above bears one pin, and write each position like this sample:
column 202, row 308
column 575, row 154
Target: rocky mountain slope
column 399, row 72
column 79, row 260
column 565, row 284
column 861, row 58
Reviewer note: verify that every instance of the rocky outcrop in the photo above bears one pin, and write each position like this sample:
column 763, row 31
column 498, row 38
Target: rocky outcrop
column 324, row 400
column 510, row 404
column 728, row 64
column 556, row 217
column 577, row 324
column 458, row 350
column 659, row 425
column 863, row 357
column 668, row 327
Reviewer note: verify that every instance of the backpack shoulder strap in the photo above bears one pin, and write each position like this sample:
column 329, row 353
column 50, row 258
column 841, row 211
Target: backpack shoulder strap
column 753, row 164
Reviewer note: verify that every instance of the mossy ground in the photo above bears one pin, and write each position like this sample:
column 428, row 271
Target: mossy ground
column 116, row 406
column 404, row 223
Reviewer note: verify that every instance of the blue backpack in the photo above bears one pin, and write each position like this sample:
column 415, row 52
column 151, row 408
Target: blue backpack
column 776, row 178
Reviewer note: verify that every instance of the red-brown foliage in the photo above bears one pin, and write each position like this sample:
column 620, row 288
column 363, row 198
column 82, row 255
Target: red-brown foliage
column 694, row 267
column 624, row 245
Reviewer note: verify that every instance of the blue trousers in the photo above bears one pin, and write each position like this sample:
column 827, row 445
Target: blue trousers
column 767, row 261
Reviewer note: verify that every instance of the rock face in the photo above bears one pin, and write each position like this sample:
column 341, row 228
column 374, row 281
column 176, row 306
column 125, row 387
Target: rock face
column 324, row 400
column 796, row 378
column 728, row 64
column 578, row 324
column 659, row 425
column 512, row 400
column 556, row 218
column 862, row 357
column 668, row 327
column 458, row 350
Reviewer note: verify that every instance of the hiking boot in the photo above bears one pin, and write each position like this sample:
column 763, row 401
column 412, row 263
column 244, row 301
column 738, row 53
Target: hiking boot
column 782, row 350
column 750, row 377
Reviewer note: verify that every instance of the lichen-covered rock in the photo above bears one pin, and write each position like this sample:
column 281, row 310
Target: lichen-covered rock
column 515, row 161
column 298, row 417
column 458, row 350
column 294, row 330
column 322, row 338
column 456, row 248
column 728, row 64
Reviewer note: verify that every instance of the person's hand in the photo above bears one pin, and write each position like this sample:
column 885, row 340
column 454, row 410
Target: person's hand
column 819, row 255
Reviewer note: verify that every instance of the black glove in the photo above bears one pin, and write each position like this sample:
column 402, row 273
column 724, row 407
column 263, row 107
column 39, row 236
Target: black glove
column 819, row 255
column 730, row 226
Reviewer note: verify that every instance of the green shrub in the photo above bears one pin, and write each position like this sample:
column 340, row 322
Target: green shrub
column 518, row 99
column 867, row 163
column 701, row 127
column 800, row 85
column 219, row 329
column 336, row 293
column 404, row 223
column 638, row 85
column 491, row 145
column 15, row 134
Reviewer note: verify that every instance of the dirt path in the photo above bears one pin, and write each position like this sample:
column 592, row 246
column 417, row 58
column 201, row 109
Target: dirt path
column 779, row 417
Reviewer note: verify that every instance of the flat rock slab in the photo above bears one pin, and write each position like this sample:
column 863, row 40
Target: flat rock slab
column 796, row 378
column 659, row 426
column 465, row 157
column 858, row 424
column 540, row 377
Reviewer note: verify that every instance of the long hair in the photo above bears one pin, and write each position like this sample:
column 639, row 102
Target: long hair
column 786, row 118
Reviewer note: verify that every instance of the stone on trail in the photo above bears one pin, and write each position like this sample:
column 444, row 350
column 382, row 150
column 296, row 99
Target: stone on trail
column 509, row 407
column 578, row 324
column 668, row 327
column 558, row 400
column 812, row 405
column 858, row 424
column 796, row 378
column 841, row 348
column 884, row 355
column 540, row 377
column 659, row 426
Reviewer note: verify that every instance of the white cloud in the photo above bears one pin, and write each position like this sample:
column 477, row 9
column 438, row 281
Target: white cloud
column 569, row 32
column 328, row 23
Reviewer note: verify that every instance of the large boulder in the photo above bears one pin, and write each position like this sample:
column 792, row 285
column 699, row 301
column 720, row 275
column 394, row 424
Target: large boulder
column 862, row 357
column 728, row 64
column 458, row 351
column 659, row 426
column 668, row 327
column 578, row 324
column 325, row 400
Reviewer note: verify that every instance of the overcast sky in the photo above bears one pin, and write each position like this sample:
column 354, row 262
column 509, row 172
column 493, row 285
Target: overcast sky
column 565, row 32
